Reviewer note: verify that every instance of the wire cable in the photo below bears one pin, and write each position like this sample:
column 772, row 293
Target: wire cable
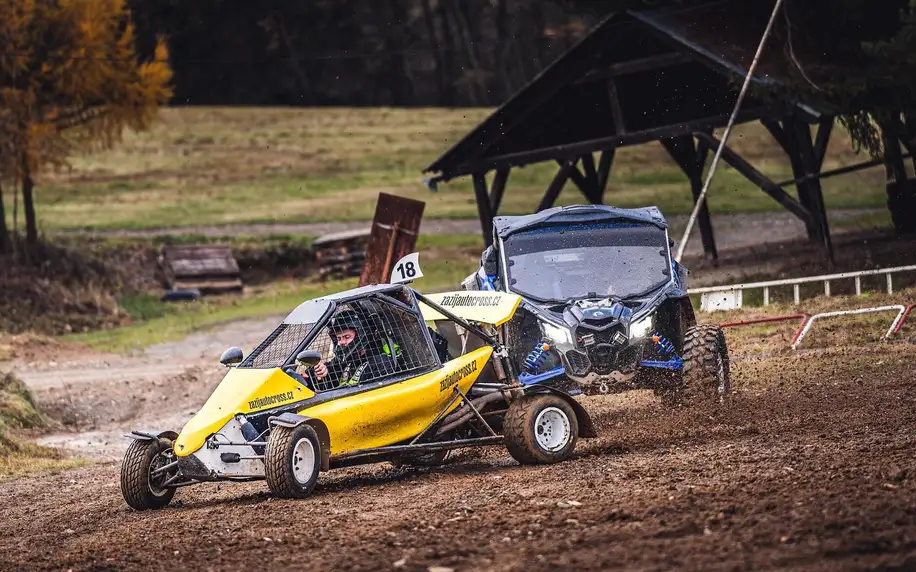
column 731, row 122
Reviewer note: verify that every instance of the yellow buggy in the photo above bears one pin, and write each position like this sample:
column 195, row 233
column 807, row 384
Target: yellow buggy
column 438, row 378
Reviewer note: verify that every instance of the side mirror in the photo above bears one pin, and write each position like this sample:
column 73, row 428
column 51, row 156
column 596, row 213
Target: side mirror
column 308, row 358
column 231, row 356
column 490, row 261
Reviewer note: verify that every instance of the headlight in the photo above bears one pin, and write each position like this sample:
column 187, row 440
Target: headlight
column 641, row 328
column 556, row 333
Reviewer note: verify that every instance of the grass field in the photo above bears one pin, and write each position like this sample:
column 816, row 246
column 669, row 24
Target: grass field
column 446, row 261
column 211, row 166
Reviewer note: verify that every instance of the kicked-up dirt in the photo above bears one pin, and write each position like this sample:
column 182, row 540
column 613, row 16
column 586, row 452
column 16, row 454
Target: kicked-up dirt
column 811, row 467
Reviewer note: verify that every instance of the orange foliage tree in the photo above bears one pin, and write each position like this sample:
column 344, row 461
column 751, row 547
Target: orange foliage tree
column 70, row 80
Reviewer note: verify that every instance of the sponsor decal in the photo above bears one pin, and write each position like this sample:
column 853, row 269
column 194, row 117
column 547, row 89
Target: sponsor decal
column 469, row 301
column 259, row 402
column 458, row 375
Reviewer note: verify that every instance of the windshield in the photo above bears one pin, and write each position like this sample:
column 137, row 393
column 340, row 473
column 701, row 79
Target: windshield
column 587, row 261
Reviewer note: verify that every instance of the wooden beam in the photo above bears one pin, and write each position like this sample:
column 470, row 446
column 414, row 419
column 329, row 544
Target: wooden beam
column 591, row 175
column 581, row 182
column 684, row 152
column 636, row 66
column 574, row 150
column 498, row 189
column 824, row 129
column 787, row 136
column 556, row 185
column 616, row 110
column 777, row 132
column 604, row 169
column 758, row 178
column 585, row 183
column 484, row 210
column 838, row 171
column 810, row 165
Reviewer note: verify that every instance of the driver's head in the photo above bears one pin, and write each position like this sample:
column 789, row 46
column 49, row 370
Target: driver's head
column 349, row 334
column 345, row 337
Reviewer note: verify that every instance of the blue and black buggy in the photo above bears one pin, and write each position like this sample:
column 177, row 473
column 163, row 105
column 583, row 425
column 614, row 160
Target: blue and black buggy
column 605, row 307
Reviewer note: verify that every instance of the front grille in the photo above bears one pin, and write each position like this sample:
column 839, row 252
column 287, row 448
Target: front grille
column 603, row 358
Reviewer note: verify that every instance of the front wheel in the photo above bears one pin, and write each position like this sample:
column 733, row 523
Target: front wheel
column 706, row 374
column 540, row 429
column 145, row 470
column 292, row 461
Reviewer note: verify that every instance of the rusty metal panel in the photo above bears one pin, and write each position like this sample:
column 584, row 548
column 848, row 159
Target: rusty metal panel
column 393, row 235
column 209, row 268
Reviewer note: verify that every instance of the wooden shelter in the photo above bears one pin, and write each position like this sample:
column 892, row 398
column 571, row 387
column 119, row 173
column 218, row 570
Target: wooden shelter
column 644, row 76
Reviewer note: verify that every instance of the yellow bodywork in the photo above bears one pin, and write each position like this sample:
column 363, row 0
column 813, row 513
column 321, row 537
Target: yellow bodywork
column 241, row 391
column 494, row 308
column 374, row 418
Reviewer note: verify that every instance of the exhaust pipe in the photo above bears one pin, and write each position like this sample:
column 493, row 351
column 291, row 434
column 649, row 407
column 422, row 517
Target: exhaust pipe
column 463, row 414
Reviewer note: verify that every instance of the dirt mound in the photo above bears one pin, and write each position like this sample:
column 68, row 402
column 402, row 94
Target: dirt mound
column 19, row 416
column 76, row 285
column 53, row 289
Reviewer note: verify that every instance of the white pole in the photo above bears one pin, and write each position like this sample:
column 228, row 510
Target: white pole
column 715, row 160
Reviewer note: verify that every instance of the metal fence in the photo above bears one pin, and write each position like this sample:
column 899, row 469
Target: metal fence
column 730, row 297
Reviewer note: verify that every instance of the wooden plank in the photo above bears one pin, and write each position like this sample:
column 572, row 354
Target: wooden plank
column 207, row 267
column 391, row 212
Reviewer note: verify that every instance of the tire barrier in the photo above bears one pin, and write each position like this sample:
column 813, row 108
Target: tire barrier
column 895, row 325
column 798, row 331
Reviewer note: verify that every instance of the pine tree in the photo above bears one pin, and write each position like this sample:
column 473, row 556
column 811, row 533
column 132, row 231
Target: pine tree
column 70, row 80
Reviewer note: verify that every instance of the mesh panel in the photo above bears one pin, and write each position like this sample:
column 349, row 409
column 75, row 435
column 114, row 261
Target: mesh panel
column 391, row 343
column 278, row 347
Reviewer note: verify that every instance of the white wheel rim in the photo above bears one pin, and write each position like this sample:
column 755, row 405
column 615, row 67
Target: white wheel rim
column 551, row 429
column 303, row 460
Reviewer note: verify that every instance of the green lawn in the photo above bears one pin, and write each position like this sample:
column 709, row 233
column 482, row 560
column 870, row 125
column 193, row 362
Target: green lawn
column 445, row 262
column 210, row 166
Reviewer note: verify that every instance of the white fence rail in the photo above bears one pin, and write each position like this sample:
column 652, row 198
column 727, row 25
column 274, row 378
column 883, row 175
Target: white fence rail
column 731, row 296
column 900, row 309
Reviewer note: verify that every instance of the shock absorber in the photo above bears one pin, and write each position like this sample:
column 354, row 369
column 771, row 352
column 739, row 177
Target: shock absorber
column 663, row 342
column 537, row 356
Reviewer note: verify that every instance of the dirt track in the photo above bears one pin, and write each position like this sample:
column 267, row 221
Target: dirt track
column 812, row 468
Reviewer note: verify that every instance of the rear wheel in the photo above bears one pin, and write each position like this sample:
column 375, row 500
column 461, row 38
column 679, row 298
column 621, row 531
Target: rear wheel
column 144, row 472
column 292, row 461
column 540, row 429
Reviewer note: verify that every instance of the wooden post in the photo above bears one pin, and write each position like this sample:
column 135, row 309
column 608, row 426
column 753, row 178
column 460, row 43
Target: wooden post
column 691, row 160
column 484, row 210
column 810, row 165
column 604, row 169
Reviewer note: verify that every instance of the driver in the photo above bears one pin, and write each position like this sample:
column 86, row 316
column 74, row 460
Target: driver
column 358, row 353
